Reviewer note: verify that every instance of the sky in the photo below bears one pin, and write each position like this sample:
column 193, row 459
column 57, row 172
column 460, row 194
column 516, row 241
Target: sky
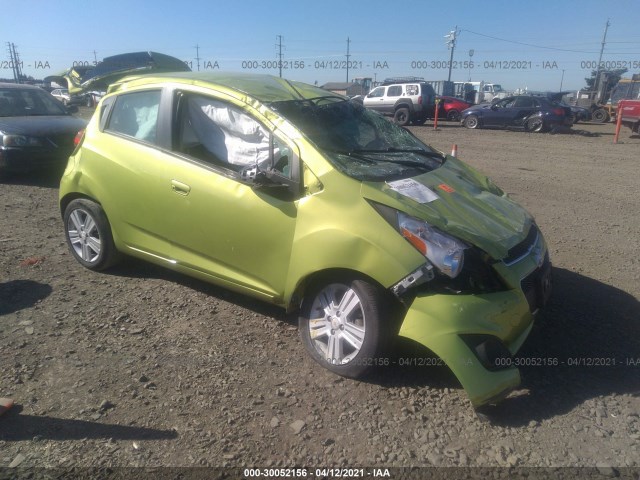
column 542, row 45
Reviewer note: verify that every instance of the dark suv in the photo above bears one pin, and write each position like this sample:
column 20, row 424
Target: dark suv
column 407, row 101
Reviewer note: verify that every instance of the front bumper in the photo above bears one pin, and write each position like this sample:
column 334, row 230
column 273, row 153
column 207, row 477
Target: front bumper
column 23, row 160
column 476, row 334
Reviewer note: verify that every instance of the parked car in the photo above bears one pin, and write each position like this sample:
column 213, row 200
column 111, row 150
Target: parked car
column 62, row 94
column 451, row 108
column 36, row 131
column 407, row 101
column 532, row 113
column 580, row 114
column 299, row 197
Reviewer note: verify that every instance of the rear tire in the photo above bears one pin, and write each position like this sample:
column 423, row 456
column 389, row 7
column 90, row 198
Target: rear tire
column 535, row 125
column 88, row 235
column 453, row 115
column 401, row 116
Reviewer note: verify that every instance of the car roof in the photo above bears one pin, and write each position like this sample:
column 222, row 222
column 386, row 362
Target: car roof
column 265, row 88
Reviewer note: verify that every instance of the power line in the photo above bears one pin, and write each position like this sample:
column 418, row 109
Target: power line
column 526, row 44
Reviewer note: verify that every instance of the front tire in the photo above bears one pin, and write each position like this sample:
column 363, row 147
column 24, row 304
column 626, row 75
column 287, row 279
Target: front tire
column 401, row 116
column 471, row 122
column 600, row 115
column 344, row 326
column 88, row 235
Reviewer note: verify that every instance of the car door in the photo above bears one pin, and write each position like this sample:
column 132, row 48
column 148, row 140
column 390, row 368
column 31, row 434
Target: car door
column 521, row 109
column 394, row 92
column 499, row 114
column 375, row 99
column 220, row 224
column 132, row 155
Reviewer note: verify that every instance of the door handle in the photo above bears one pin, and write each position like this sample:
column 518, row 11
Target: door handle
column 180, row 188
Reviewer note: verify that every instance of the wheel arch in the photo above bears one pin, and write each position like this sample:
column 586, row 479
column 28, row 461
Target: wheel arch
column 70, row 197
column 404, row 103
column 306, row 284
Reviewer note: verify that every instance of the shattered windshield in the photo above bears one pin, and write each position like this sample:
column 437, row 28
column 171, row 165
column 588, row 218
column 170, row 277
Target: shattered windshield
column 20, row 102
column 359, row 142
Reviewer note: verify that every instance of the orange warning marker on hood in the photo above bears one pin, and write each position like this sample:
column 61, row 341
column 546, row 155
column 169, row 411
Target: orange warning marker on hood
column 446, row 188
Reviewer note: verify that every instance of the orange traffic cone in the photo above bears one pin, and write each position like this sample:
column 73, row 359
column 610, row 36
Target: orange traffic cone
column 454, row 150
column 5, row 404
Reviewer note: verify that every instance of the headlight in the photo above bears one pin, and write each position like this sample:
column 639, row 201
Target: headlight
column 444, row 252
column 21, row 141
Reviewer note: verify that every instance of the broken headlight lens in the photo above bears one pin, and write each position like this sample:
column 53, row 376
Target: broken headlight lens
column 443, row 251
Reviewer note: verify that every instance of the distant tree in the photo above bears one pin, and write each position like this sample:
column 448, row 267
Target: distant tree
column 614, row 78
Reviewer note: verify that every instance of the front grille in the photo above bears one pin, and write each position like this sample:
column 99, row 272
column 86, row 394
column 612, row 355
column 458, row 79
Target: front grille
column 524, row 247
column 536, row 286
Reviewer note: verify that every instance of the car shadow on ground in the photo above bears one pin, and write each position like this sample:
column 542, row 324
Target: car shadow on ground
column 15, row 427
column 20, row 294
column 49, row 178
column 585, row 344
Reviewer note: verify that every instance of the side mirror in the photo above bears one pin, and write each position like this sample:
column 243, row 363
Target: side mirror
column 494, row 107
column 72, row 109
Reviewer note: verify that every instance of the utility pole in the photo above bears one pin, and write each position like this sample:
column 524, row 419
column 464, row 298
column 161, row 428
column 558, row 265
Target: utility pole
column 95, row 58
column 198, row 56
column 348, row 56
column 15, row 62
column 597, row 80
column 451, row 44
column 279, row 45
column 12, row 61
column 561, row 79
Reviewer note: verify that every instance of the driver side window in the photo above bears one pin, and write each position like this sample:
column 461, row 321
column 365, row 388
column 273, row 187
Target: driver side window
column 220, row 133
column 377, row 92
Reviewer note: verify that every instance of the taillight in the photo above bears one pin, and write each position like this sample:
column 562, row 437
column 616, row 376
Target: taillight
column 420, row 100
column 558, row 111
column 78, row 138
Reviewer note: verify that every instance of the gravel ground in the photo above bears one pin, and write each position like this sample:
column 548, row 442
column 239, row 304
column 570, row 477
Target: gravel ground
column 142, row 367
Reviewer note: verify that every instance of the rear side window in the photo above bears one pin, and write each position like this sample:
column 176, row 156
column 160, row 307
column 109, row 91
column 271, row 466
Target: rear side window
column 524, row 102
column 136, row 115
column 412, row 90
column 394, row 91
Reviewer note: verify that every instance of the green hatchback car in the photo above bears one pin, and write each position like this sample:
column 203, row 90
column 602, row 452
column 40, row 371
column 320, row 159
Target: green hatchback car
column 299, row 197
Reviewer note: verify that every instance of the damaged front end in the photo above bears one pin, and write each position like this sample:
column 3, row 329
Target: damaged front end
column 478, row 320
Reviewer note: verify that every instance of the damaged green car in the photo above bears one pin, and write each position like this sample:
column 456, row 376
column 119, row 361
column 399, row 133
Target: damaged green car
column 299, row 197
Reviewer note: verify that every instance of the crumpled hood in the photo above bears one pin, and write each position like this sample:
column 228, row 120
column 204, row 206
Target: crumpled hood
column 41, row 126
column 465, row 204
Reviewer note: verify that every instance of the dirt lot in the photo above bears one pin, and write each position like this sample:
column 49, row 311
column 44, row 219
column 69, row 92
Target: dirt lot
column 142, row 367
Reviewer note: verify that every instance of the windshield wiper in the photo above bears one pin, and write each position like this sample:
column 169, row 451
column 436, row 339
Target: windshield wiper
column 351, row 153
column 418, row 151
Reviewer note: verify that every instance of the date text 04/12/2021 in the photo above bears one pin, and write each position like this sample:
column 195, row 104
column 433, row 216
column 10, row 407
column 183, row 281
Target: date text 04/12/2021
column 316, row 472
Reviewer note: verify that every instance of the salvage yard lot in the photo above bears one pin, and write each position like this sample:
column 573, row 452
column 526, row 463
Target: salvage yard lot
column 139, row 366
